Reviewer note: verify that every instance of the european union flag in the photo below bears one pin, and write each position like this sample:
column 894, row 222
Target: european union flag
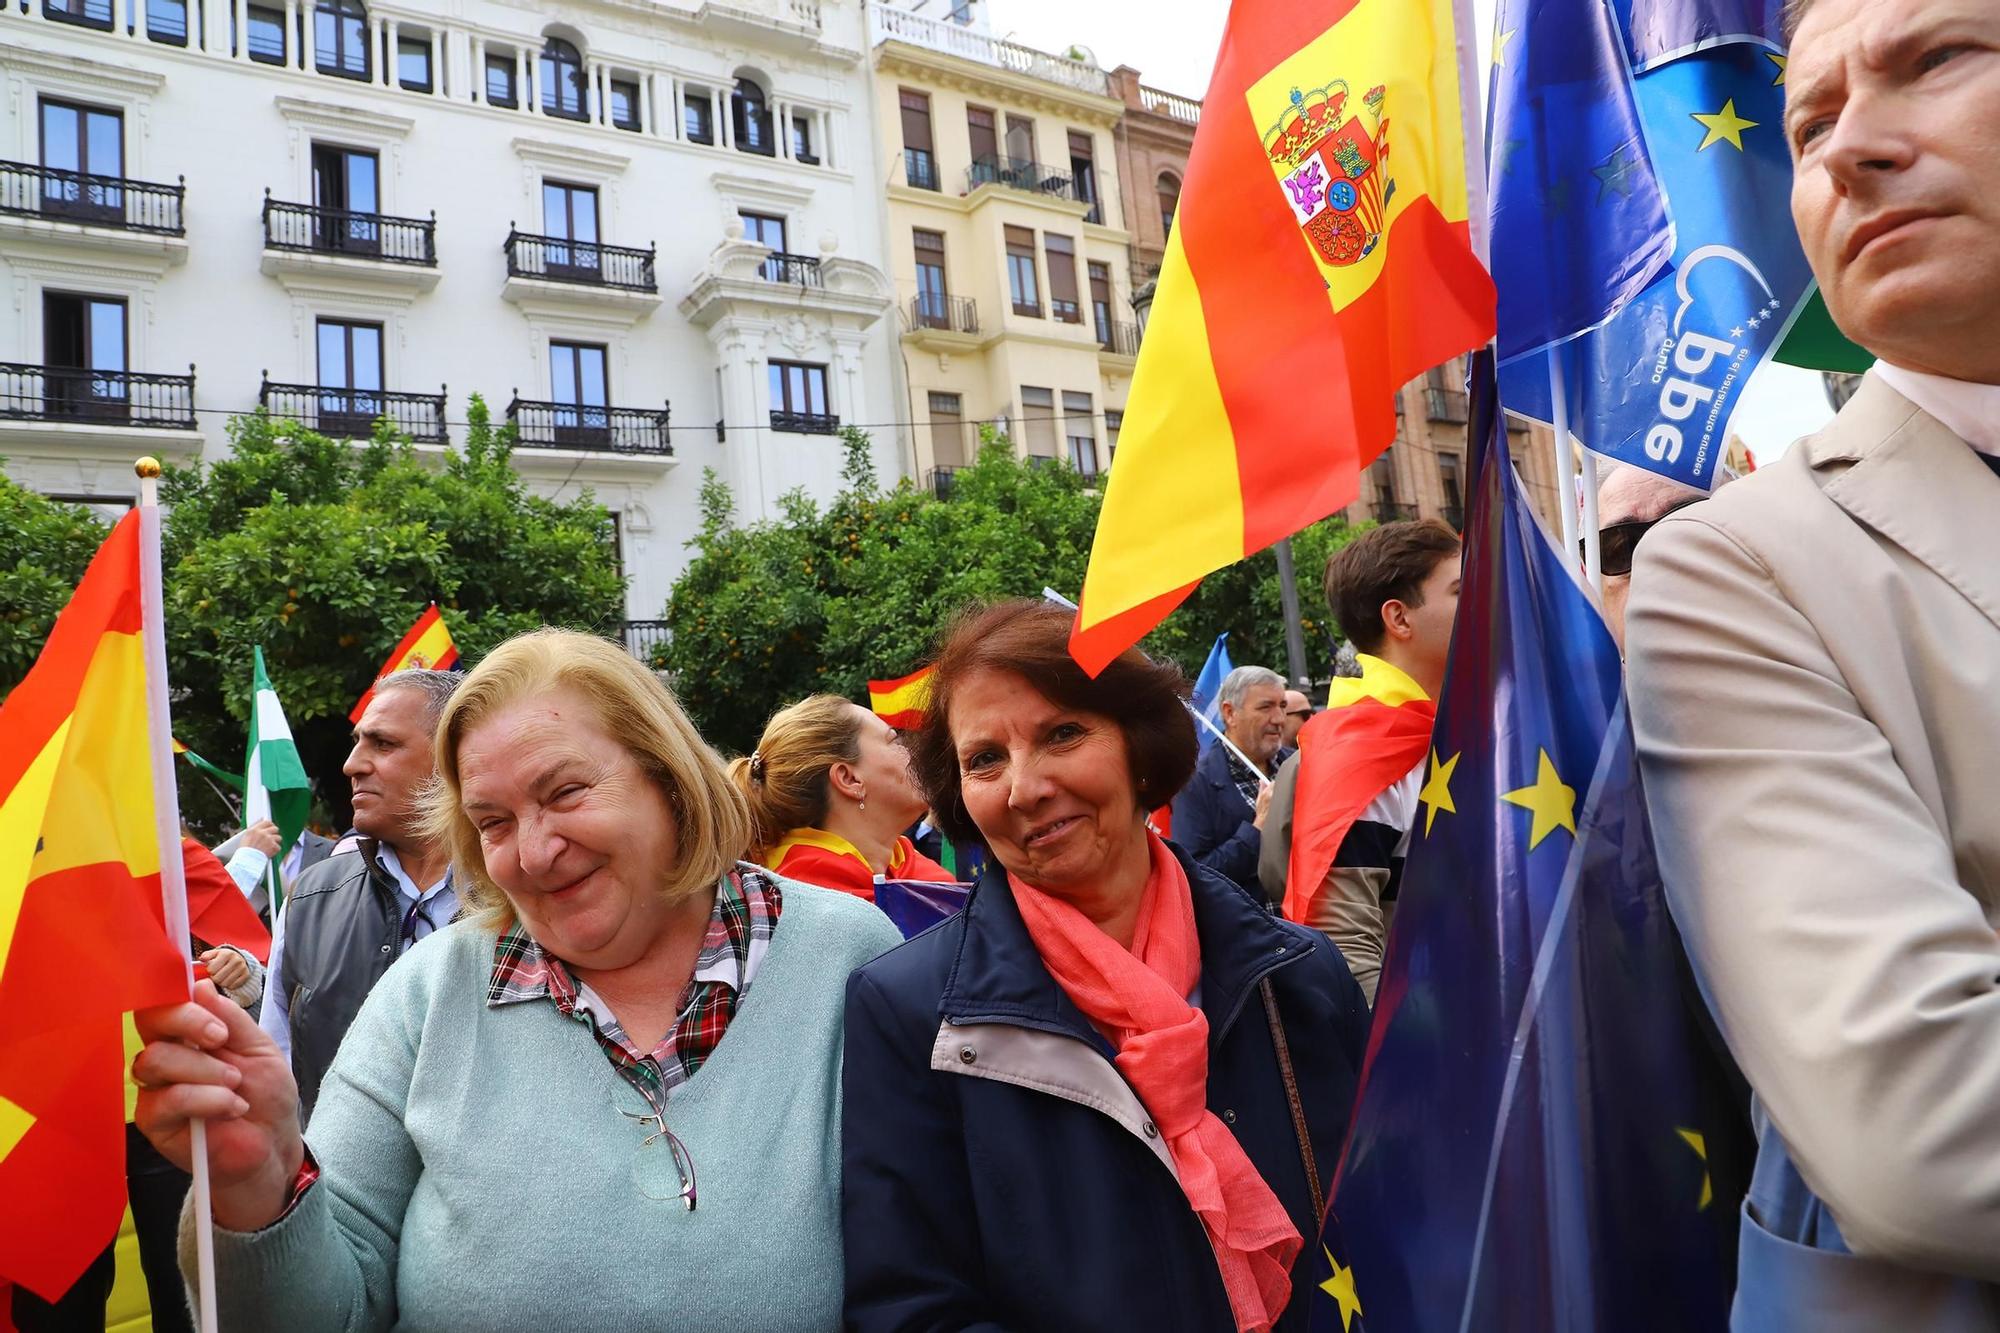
column 914, row 906
column 1529, row 1146
column 1642, row 227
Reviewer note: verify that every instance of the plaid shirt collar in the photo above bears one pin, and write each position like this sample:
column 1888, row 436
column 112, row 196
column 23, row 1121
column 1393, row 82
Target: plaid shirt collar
column 1248, row 781
column 747, row 905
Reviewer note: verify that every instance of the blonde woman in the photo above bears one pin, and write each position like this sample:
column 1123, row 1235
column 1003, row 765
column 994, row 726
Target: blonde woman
column 830, row 794
column 566, row 1111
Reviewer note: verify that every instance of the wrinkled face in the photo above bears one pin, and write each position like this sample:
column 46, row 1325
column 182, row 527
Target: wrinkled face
column 1298, row 711
column 1430, row 644
column 1257, row 723
column 884, row 770
column 1050, row 788
column 574, row 832
column 1893, row 118
column 389, row 765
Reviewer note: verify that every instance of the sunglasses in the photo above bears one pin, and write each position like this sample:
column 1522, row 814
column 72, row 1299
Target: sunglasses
column 1617, row 543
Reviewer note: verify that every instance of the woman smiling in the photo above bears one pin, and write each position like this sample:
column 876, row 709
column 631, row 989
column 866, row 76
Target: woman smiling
column 1109, row 1093
column 609, row 1099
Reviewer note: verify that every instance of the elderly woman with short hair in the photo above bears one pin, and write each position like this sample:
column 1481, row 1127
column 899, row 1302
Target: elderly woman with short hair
column 608, row 1099
column 1110, row 1093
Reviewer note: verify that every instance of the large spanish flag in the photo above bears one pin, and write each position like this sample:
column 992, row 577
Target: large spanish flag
column 1319, row 260
column 428, row 644
column 81, row 939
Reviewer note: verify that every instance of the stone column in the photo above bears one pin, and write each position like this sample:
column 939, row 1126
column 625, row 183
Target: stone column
column 475, row 77
column 392, row 54
column 296, row 41
column 725, row 123
column 522, row 92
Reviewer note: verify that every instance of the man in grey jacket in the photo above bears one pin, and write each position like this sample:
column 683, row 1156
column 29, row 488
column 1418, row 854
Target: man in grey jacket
column 355, row 912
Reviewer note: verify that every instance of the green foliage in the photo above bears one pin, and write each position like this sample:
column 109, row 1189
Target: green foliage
column 826, row 599
column 49, row 545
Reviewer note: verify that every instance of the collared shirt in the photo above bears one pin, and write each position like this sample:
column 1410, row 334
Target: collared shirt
column 1248, row 781
column 747, row 904
column 1970, row 411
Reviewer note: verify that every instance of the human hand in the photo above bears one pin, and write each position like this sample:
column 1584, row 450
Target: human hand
column 1262, row 808
column 263, row 835
column 227, row 968
column 205, row 1059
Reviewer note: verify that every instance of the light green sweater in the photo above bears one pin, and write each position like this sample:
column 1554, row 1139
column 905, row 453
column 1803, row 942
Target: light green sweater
column 478, row 1174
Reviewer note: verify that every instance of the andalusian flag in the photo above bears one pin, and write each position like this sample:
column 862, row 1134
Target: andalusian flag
column 901, row 702
column 203, row 766
column 1320, row 259
column 81, row 939
column 428, row 644
column 276, row 780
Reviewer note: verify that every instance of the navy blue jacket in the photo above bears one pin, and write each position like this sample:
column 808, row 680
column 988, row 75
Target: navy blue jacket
column 976, row 1195
column 1212, row 820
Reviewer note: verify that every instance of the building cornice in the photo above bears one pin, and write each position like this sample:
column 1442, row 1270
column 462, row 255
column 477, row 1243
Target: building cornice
column 922, row 66
column 310, row 113
column 80, row 71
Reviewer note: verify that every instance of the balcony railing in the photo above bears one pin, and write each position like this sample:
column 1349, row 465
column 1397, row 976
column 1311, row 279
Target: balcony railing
column 1445, row 405
column 589, row 262
column 83, row 13
column 615, row 430
column 1170, row 104
column 1019, row 174
column 1390, row 511
column 335, row 231
column 805, row 423
column 96, row 397
column 1117, row 338
column 97, row 201
column 798, row 270
column 647, row 640
column 941, row 480
column 351, row 414
column 956, row 39
column 955, row 314
column 920, row 169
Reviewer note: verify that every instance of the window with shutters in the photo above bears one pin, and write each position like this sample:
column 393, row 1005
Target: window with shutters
column 500, row 81
column 1063, row 301
column 1038, row 421
column 919, row 157
column 1100, row 301
column 698, row 115
column 1084, row 170
column 1021, row 283
column 1112, row 422
column 1080, row 433
column 985, row 143
column 624, row 104
column 1169, row 189
column 933, row 298
column 948, row 448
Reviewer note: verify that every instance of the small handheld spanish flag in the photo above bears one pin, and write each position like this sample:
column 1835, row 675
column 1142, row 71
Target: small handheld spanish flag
column 428, row 644
column 902, row 702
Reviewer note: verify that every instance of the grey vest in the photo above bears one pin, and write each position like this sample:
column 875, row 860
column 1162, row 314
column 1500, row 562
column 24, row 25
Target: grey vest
column 343, row 927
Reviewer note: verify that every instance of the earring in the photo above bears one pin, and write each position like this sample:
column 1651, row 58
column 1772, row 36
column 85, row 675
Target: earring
column 862, row 805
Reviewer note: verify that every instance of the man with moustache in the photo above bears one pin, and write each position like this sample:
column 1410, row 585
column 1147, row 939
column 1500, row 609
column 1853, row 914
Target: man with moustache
column 1218, row 817
column 1815, row 662
column 389, row 887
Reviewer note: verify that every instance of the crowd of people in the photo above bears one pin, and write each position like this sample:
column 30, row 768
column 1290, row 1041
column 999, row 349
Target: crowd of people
column 508, row 1070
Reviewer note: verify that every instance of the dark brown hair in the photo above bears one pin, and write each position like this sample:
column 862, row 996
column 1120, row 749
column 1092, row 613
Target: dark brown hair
column 1030, row 639
column 1385, row 564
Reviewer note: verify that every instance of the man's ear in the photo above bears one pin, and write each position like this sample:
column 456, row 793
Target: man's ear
column 1396, row 620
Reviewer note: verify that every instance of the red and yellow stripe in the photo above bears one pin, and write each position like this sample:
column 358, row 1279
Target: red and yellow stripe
column 1267, row 379
column 428, row 644
column 81, row 935
column 902, row 702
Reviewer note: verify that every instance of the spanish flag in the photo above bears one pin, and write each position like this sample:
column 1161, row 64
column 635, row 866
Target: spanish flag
column 428, row 644
column 1320, row 259
column 81, row 934
column 901, row 702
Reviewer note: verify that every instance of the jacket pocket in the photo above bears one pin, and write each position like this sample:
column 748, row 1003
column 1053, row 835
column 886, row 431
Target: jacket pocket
column 1783, row 1286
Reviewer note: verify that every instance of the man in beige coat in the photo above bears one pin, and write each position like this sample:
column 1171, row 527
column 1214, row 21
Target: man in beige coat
column 1815, row 661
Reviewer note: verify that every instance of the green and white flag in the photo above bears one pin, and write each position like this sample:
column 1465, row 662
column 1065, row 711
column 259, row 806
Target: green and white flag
column 274, row 779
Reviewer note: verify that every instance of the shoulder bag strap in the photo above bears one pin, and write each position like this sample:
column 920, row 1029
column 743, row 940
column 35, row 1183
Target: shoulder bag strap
column 1284, row 1050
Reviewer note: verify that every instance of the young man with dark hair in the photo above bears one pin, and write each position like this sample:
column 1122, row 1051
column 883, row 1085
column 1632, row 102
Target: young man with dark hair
column 1343, row 807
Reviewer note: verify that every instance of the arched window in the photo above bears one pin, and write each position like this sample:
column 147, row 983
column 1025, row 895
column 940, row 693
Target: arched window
column 561, row 74
column 1170, row 200
column 750, row 117
column 340, row 38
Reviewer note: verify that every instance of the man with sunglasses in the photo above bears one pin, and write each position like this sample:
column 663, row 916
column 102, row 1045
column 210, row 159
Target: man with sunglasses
column 1298, row 712
column 1815, row 692
column 1630, row 501
column 382, row 890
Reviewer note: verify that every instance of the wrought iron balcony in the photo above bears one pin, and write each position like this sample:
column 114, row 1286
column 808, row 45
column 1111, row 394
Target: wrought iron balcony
column 1117, row 338
column 96, row 397
column 953, row 314
column 1020, row 174
column 647, row 640
column 805, row 423
column 1445, row 405
column 799, row 270
column 941, row 481
column 351, row 414
column 96, row 201
column 614, row 430
column 1069, row 312
column 1391, row 511
column 591, row 263
column 920, row 169
column 335, row 231
column 83, row 13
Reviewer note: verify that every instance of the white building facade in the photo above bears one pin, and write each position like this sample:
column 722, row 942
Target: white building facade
column 648, row 232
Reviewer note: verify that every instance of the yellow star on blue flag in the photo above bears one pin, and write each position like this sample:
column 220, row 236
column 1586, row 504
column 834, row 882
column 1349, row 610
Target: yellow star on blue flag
column 1553, row 804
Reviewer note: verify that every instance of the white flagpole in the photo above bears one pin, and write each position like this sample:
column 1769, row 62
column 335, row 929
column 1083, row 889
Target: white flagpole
column 1593, row 556
column 1473, row 128
column 167, row 821
column 1566, row 498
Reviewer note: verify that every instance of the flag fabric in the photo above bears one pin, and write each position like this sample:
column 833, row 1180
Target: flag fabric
column 274, row 778
column 218, row 913
column 1206, row 696
column 428, row 644
column 81, row 934
column 1528, row 1143
column 903, row 701
column 195, row 761
column 915, row 905
column 1373, row 731
column 1320, row 259
column 1642, row 228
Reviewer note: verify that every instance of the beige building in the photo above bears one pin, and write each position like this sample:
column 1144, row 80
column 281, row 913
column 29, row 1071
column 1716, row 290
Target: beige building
column 1007, row 243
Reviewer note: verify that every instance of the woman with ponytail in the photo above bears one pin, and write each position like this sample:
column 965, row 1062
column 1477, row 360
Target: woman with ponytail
column 830, row 794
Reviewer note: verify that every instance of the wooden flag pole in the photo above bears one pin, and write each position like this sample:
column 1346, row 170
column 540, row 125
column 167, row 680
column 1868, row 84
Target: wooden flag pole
column 167, row 821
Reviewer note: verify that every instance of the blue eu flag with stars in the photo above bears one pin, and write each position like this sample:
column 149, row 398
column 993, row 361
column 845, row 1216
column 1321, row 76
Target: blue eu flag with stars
column 1642, row 228
column 1528, row 1149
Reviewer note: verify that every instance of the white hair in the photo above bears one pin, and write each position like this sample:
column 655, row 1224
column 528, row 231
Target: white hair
column 1245, row 679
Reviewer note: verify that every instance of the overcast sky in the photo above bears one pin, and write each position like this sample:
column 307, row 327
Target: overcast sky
column 1178, row 54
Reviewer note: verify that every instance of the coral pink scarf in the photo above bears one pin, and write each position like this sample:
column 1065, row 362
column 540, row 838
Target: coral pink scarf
column 1137, row 999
